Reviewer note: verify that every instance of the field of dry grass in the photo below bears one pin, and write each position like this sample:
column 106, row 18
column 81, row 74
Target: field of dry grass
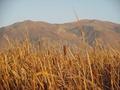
column 27, row 67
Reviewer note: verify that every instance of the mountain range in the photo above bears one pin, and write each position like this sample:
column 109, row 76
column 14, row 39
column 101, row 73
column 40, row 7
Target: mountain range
column 73, row 33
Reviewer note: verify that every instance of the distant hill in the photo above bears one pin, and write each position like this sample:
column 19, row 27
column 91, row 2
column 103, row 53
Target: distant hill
column 106, row 32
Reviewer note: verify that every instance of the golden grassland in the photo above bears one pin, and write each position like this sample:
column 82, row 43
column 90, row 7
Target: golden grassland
column 26, row 67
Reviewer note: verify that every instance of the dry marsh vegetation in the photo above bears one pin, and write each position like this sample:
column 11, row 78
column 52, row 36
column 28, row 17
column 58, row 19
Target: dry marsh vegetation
column 27, row 67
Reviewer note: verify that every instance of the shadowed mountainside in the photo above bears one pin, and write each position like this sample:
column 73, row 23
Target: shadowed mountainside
column 106, row 32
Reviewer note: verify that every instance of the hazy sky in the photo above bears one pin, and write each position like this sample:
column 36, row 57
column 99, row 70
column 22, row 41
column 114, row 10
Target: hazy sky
column 58, row 11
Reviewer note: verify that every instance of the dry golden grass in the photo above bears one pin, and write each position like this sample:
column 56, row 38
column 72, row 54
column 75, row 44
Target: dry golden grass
column 27, row 67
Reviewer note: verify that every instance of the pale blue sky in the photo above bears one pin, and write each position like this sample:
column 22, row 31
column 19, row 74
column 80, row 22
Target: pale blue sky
column 58, row 11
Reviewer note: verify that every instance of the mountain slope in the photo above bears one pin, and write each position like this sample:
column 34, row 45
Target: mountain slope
column 106, row 32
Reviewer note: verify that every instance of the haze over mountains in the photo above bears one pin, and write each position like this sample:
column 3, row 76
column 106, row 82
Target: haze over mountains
column 106, row 32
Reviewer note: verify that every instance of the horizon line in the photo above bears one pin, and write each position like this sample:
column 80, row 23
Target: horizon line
column 70, row 21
